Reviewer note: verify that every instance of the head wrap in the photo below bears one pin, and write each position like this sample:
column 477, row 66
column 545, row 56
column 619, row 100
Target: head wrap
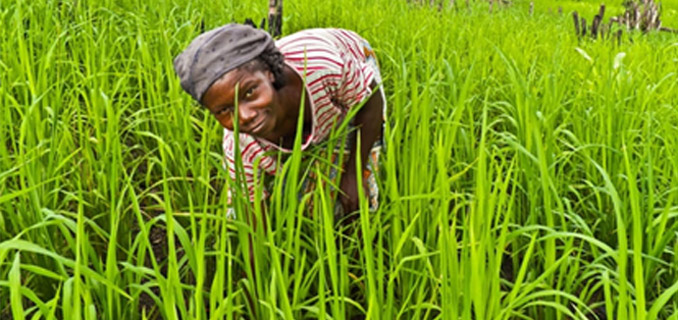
column 216, row 52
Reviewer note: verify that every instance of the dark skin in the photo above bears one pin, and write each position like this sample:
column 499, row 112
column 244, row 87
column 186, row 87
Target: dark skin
column 271, row 114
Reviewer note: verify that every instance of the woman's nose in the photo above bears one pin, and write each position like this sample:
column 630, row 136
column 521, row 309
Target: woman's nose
column 247, row 114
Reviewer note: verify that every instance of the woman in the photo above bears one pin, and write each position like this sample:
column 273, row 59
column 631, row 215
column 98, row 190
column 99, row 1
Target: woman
column 338, row 70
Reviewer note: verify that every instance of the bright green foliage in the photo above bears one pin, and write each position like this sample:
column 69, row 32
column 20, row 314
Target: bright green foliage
column 527, row 174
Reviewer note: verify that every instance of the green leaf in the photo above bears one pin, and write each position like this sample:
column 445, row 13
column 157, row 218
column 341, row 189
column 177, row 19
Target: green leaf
column 15, row 288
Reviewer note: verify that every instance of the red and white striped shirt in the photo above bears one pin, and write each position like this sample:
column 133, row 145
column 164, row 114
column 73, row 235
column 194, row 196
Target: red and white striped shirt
column 337, row 77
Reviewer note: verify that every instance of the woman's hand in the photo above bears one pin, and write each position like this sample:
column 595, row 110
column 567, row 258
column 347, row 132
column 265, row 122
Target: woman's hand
column 348, row 186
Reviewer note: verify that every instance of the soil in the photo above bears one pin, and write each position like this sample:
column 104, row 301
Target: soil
column 158, row 239
column 5, row 314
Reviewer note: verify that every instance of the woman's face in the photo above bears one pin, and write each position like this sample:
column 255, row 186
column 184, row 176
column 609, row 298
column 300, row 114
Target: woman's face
column 258, row 111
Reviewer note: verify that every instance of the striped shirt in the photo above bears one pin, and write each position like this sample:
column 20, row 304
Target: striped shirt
column 337, row 77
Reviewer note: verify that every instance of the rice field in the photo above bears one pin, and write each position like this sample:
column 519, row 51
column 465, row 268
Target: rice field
column 527, row 174
column 589, row 8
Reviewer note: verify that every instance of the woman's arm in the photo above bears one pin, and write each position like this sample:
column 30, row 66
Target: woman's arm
column 368, row 121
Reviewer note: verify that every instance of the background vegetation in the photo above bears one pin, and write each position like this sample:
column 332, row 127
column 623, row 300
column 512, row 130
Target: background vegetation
column 528, row 174
column 590, row 8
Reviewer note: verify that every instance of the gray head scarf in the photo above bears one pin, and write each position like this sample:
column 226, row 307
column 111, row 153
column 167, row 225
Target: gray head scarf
column 216, row 52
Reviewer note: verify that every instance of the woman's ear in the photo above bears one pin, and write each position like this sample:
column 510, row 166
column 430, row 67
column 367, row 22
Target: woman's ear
column 270, row 75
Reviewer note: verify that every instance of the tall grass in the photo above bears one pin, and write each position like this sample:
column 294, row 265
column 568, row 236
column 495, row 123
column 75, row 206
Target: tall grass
column 526, row 174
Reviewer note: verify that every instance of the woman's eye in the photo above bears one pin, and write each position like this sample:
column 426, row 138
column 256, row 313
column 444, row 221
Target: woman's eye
column 249, row 92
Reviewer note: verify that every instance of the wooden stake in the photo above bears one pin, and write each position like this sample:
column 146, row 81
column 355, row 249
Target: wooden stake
column 275, row 18
column 583, row 27
column 594, row 26
column 601, row 11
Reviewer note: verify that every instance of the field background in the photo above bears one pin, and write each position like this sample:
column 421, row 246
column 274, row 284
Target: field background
column 528, row 174
column 589, row 8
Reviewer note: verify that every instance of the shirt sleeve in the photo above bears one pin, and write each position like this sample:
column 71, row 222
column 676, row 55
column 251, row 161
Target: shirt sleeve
column 250, row 151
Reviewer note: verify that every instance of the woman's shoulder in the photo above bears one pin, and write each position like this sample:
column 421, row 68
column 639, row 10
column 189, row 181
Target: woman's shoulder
column 312, row 52
column 304, row 38
column 318, row 37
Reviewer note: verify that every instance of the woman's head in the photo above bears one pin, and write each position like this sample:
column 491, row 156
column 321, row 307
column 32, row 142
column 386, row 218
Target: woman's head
column 216, row 52
column 269, row 60
column 218, row 61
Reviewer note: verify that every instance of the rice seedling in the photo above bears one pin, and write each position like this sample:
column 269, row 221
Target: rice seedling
column 527, row 174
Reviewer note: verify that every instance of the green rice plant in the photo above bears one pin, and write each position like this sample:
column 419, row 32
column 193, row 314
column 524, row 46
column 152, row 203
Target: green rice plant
column 526, row 174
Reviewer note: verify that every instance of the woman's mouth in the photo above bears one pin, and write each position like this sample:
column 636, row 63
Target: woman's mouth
column 259, row 128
